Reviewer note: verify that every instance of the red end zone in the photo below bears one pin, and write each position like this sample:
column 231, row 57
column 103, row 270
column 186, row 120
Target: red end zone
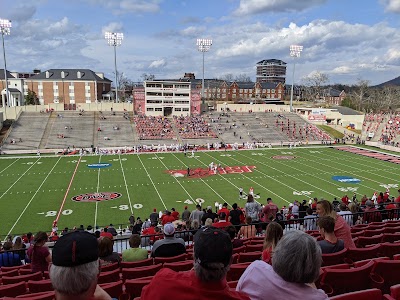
column 205, row 172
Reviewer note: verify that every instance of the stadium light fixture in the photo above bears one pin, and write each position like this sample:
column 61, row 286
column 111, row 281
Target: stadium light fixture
column 5, row 28
column 115, row 39
column 203, row 45
column 295, row 51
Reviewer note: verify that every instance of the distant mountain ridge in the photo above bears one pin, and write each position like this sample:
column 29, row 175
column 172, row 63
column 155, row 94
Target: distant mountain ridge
column 393, row 82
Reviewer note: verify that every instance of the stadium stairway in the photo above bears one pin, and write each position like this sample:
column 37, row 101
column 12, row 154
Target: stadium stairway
column 47, row 130
column 178, row 137
column 95, row 127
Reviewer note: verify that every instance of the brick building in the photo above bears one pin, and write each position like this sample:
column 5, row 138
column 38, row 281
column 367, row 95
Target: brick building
column 69, row 86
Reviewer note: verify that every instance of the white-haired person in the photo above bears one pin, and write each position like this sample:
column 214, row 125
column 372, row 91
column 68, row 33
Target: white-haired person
column 295, row 268
column 76, row 267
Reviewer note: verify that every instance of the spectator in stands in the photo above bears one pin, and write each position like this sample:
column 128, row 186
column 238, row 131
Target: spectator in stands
column 39, row 254
column 248, row 230
column 105, row 233
column 212, row 258
column 222, row 223
column 208, row 222
column 209, row 214
column 273, row 234
column 106, row 254
column 269, row 211
column 185, row 214
column 167, row 218
column 170, row 245
column 371, row 214
column 345, row 213
column 175, row 214
column 75, row 267
column 342, row 229
column 197, row 214
column 330, row 243
column 356, row 211
column 225, row 210
column 9, row 258
column 137, row 228
column 234, row 215
column 231, row 230
column 111, row 230
column 279, row 281
column 252, row 209
column 310, row 220
column 131, row 219
column 154, row 217
column 19, row 247
column 135, row 253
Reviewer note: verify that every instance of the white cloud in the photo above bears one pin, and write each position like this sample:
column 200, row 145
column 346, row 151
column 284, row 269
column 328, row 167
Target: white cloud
column 158, row 64
column 113, row 27
column 251, row 7
column 391, row 5
column 120, row 7
column 343, row 70
column 193, row 31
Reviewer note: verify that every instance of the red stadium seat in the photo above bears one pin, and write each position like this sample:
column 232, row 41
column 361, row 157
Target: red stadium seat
column 14, row 272
column 6, row 269
column 395, row 291
column 361, row 263
column 357, row 234
column 376, row 225
column 239, row 249
column 233, row 284
column 339, row 281
column 391, row 237
column 161, row 260
column 235, row 258
column 389, row 249
column 369, row 233
column 179, row 265
column 110, row 276
column 371, row 294
column 334, row 258
column 392, row 223
column 25, row 271
column 114, row 289
column 133, row 287
column 363, row 241
column 254, row 247
column 396, row 257
column 236, row 271
column 134, row 264
column 357, row 254
column 13, row 290
column 38, row 296
column 14, row 279
column 110, row 267
column 249, row 256
column 386, row 273
column 40, row 286
column 46, row 275
column 390, row 229
column 140, row 272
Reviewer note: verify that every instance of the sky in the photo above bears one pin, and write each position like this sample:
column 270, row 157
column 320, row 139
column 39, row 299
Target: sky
column 348, row 40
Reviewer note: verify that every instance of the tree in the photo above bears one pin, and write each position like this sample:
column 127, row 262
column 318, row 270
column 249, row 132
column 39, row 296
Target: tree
column 31, row 98
column 314, row 84
column 227, row 77
column 360, row 93
column 243, row 78
column 147, row 77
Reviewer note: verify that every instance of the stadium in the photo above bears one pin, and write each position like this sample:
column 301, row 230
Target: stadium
column 213, row 188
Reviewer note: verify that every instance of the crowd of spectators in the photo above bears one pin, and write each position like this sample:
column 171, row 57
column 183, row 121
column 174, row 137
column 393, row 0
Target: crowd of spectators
column 193, row 127
column 391, row 130
column 153, row 128
column 302, row 132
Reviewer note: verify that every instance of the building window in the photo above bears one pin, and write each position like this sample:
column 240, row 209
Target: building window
column 158, row 109
column 150, row 109
column 185, row 109
column 178, row 109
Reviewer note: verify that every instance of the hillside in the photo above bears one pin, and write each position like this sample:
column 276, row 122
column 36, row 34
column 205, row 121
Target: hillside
column 394, row 82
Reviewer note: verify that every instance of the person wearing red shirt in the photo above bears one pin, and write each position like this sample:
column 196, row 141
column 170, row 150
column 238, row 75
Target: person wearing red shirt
column 225, row 210
column 105, row 233
column 345, row 200
column 175, row 214
column 269, row 211
column 314, row 204
column 207, row 280
column 168, row 218
column 222, row 223
column 149, row 231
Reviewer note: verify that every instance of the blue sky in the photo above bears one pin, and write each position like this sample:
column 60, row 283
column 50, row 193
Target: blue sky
column 347, row 40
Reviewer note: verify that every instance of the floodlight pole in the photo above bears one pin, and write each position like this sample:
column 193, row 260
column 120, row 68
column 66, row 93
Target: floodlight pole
column 295, row 51
column 5, row 26
column 115, row 39
column 203, row 46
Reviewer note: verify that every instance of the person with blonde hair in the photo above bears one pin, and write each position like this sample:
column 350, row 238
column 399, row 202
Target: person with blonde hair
column 342, row 229
column 273, row 234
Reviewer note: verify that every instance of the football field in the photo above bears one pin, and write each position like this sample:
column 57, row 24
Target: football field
column 99, row 190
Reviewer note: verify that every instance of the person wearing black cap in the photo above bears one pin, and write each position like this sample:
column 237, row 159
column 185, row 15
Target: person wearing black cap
column 207, row 280
column 75, row 267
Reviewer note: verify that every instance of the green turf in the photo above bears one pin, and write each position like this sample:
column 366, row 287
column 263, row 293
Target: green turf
column 32, row 189
column 331, row 131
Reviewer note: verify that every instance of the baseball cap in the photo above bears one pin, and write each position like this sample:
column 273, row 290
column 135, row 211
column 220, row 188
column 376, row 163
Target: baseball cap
column 212, row 245
column 74, row 249
column 169, row 229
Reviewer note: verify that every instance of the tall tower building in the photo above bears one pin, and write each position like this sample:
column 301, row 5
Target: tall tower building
column 271, row 70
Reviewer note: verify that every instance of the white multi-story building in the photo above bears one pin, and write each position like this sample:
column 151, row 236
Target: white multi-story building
column 165, row 98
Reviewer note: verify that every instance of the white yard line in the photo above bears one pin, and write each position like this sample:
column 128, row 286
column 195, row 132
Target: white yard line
column 176, row 179
column 97, row 190
column 19, row 178
column 9, row 165
column 26, row 207
column 215, row 192
column 126, row 185
column 148, row 175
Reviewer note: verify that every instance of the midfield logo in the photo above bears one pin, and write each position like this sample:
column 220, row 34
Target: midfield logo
column 96, row 197
column 205, row 172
